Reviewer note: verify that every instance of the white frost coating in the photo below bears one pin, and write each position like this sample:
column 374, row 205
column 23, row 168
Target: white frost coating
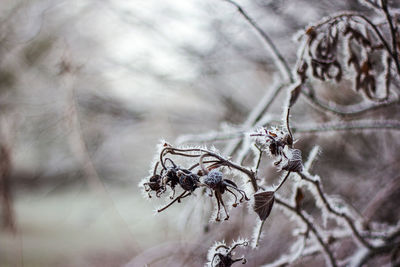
column 292, row 216
column 340, row 205
column 312, row 157
column 254, row 236
column 297, row 249
column 325, row 214
column 212, row 249
column 357, row 257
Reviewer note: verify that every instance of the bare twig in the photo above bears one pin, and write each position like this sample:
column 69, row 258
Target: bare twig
column 312, row 228
column 348, row 126
column 280, row 60
column 356, row 109
column 350, row 221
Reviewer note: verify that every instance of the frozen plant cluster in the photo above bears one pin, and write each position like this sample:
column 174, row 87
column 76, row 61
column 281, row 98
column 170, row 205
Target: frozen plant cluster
column 371, row 60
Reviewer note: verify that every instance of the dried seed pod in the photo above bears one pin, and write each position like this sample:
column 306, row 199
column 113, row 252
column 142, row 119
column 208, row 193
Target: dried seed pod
column 188, row 180
column 154, row 184
column 222, row 255
column 219, row 186
column 213, row 179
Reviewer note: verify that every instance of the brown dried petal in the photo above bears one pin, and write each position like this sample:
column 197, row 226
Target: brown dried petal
column 263, row 203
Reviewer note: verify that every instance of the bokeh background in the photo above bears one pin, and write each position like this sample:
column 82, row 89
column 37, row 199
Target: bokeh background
column 88, row 88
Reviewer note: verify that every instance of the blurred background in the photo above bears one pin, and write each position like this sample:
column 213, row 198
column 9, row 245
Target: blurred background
column 88, row 88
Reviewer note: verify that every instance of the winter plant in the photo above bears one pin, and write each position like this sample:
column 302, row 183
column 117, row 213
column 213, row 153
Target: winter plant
column 352, row 46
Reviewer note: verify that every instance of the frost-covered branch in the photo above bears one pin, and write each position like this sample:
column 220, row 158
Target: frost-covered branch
column 349, row 110
column 315, row 180
column 281, row 62
column 348, row 126
column 320, row 56
column 310, row 225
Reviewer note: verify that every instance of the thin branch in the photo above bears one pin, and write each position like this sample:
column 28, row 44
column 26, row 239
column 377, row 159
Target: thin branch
column 312, row 228
column 259, row 158
column 259, row 233
column 356, row 109
column 348, row 126
column 283, row 181
column 280, row 60
column 317, row 184
column 178, row 198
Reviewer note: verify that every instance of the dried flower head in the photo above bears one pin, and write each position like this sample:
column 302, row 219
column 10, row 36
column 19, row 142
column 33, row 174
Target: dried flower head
column 365, row 54
column 221, row 255
column 168, row 175
column 215, row 181
column 278, row 144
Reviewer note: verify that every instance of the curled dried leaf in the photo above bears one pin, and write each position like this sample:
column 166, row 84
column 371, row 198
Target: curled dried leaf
column 294, row 162
column 263, row 203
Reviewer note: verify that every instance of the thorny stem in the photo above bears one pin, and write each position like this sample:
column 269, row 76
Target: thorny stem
column 312, row 228
column 305, row 176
